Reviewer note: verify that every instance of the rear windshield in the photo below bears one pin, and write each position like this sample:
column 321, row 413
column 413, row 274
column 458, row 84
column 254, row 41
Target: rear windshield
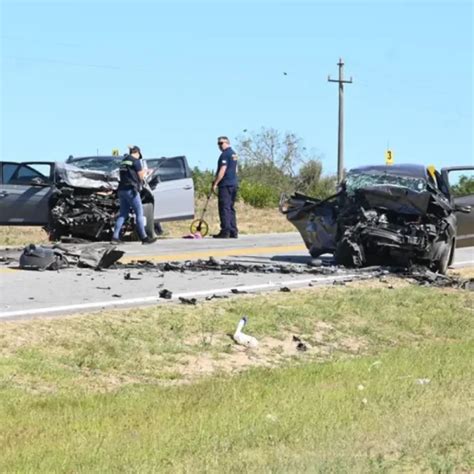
column 356, row 181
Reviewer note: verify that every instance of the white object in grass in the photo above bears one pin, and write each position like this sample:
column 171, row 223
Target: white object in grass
column 244, row 339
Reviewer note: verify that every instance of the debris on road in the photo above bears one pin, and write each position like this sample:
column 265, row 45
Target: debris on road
column 244, row 339
column 166, row 294
column 236, row 291
column 128, row 276
column 285, row 289
column 96, row 256
column 37, row 257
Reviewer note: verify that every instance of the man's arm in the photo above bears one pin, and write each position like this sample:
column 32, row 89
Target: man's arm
column 219, row 177
column 139, row 169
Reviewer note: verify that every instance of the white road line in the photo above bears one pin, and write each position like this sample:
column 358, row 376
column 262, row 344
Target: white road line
column 156, row 299
column 459, row 264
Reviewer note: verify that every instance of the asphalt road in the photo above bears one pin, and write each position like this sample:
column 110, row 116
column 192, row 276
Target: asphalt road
column 26, row 294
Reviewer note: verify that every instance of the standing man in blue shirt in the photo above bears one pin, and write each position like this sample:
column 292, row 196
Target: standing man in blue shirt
column 132, row 176
column 226, row 183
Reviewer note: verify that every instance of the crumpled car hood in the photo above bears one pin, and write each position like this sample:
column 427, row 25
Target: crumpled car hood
column 75, row 177
column 395, row 198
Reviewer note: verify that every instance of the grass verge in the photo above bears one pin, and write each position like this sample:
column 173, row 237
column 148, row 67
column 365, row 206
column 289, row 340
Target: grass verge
column 385, row 386
column 250, row 220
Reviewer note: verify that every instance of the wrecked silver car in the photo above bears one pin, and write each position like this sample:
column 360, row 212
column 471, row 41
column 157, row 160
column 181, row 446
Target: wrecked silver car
column 399, row 215
column 78, row 198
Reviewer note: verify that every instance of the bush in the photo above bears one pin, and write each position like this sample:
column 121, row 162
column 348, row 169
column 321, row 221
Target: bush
column 202, row 181
column 258, row 195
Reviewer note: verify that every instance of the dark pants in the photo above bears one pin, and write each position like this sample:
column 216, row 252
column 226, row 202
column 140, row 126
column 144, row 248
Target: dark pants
column 227, row 196
column 130, row 199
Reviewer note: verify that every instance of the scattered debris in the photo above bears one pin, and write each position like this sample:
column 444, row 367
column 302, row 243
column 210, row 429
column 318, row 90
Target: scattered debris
column 301, row 346
column 236, row 291
column 116, row 295
column 213, row 297
column 244, row 339
column 128, row 276
column 360, row 387
column 190, row 301
column 37, row 257
column 166, row 294
column 423, row 381
column 103, row 287
column 285, row 289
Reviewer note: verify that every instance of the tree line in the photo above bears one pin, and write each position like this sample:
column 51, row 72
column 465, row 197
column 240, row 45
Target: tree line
column 272, row 163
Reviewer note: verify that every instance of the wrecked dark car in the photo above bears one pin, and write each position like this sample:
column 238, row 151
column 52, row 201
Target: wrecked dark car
column 78, row 198
column 400, row 215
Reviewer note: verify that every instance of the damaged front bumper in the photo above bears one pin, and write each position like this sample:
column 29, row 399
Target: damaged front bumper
column 387, row 225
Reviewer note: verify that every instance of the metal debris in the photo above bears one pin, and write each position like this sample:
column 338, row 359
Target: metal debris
column 190, row 301
column 166, row 294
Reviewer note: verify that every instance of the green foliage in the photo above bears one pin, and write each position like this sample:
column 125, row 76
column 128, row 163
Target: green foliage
column 258, row 194
column 202, row 181
column 103, row 394
column 464, row 187
column 272, row 163
column 311, row 182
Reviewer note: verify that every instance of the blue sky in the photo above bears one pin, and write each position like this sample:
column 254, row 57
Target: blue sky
column 172, row 76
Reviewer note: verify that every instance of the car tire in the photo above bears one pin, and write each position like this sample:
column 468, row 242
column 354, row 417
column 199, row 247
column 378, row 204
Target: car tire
column 148, row 211
column 441, row 264
column 158, row 228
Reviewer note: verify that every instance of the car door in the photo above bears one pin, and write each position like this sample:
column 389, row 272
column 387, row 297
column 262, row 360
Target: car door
column 25, row 191
column 173, row 190
column 459, row 185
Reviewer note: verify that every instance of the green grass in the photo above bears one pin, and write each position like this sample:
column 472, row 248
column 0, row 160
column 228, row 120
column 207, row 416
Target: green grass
column 108, row 393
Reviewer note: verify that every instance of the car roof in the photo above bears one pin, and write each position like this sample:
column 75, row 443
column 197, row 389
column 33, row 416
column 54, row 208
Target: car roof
column 407, row 169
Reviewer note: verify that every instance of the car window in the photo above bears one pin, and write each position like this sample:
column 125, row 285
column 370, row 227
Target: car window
column 461, row 182
column 25, row 174
column 7, row 171
column 171, row 169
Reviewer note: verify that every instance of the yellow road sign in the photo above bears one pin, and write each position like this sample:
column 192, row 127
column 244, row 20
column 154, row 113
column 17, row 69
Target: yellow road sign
column 389, row 157
column 115, row 152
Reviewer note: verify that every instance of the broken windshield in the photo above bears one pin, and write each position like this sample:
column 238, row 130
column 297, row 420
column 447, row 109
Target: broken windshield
column 97, row 163
column 356, row 181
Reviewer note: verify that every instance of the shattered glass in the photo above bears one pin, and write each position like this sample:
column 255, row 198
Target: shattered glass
column 355, row 181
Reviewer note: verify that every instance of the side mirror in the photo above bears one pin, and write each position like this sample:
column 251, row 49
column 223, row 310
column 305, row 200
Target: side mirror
column 463, row 209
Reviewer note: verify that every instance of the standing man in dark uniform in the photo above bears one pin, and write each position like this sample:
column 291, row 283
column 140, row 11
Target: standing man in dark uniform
column 226, row 183
column 132, row 175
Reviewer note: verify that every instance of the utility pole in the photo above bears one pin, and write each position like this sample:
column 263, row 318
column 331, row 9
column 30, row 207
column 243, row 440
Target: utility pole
column 340, row 137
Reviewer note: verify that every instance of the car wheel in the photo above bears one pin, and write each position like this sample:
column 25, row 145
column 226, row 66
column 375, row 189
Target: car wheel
column 158, row 228
column 148, row 209
column 441, row 264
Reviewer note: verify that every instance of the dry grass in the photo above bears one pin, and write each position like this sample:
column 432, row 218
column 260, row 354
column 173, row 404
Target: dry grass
column 16, row 235
column 250, row 220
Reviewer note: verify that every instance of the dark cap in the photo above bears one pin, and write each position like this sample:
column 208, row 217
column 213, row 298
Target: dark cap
column 135, row 149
